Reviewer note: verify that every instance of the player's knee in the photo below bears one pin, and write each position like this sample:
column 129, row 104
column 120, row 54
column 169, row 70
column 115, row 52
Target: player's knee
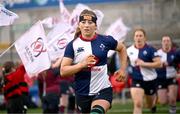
column 97, row 109
column 140, row 105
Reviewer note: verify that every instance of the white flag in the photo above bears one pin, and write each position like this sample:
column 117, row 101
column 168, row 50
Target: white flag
column 118, row 30
column 64, row 13
column 31, row 47
column 100, row 17
column 7, row 17
column 58, row 38
column 50, row 22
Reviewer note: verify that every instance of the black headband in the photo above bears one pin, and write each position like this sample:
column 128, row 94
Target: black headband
column 87, row 17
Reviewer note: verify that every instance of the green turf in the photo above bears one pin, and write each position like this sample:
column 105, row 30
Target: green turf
column 127, row 108
column 118, row 108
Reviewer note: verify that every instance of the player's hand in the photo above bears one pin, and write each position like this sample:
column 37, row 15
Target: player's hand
column 139, row 62
column 89, row 61
column 120, row 75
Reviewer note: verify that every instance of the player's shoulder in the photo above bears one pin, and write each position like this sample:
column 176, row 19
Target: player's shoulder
column 104, row 36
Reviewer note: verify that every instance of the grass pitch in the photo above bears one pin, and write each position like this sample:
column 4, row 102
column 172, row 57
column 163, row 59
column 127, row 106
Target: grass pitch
column 118, row 107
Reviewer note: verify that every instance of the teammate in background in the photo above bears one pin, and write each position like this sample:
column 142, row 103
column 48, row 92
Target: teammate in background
column 167, row 83
column 177, row 59
column 86, row 58
column 177, row 66
column 143, row 60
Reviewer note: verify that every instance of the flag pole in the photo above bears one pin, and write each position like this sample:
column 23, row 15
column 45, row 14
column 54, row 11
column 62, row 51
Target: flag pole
column 7, row 49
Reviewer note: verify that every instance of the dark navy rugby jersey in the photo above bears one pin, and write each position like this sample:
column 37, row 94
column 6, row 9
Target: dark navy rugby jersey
column 167, row 71
column 91, row 81
column 147, row 53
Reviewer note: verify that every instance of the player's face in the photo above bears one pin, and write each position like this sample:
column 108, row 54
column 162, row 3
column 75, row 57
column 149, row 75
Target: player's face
column 166, row 42
column 139, row 39
column 88, row 28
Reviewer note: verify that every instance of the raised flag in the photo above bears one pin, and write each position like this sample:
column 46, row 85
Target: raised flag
column 100, row 16
column 32, row 49
column 50, row 22
column 64, row 13
column 7, row 17
column 118, row 30
column 58, row 38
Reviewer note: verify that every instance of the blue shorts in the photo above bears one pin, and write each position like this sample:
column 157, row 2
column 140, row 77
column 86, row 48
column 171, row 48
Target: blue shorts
column 164, row 83
column 150, row 87
column 84, row 102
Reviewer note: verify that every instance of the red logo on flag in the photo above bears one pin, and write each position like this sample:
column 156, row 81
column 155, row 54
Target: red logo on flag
column 38, row 47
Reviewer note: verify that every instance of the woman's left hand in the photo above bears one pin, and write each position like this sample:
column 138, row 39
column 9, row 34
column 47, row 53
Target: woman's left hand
column 120, row 75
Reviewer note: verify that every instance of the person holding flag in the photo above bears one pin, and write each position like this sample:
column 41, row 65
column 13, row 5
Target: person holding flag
column 85, row 57
column 15, row 88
